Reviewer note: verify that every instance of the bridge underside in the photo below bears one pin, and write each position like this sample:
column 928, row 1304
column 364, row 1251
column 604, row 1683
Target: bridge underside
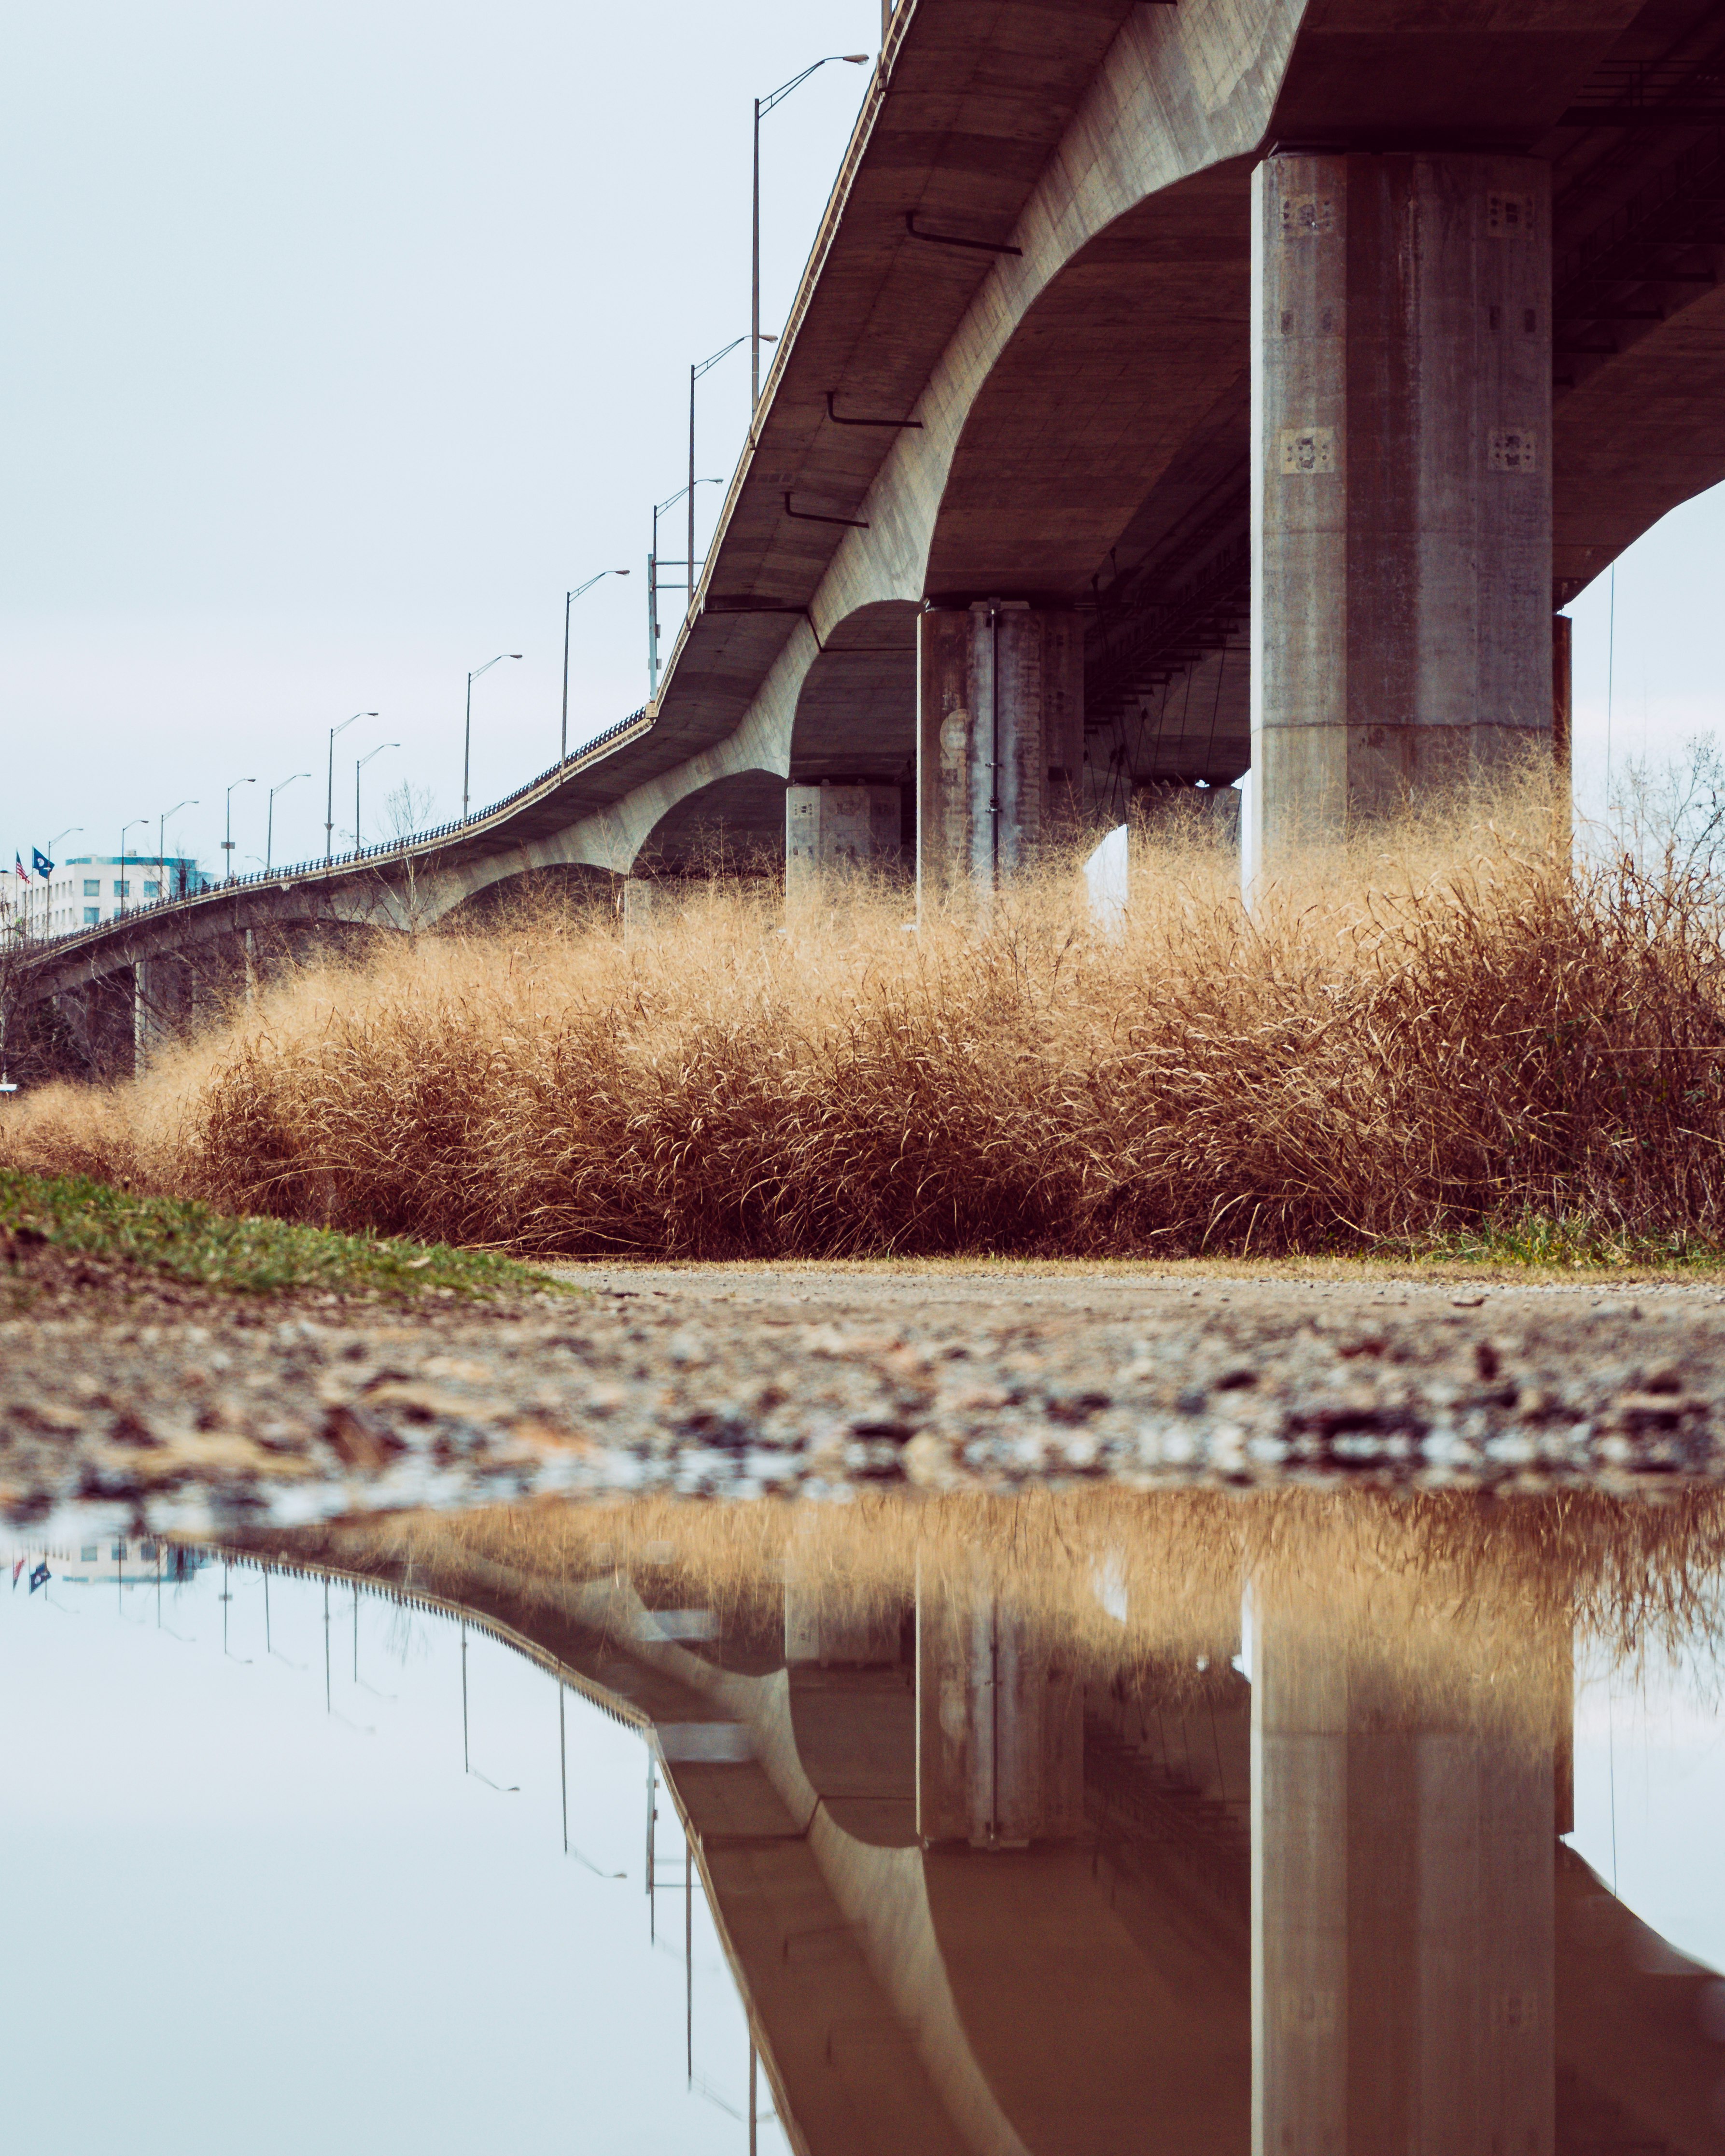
column 1112, row 345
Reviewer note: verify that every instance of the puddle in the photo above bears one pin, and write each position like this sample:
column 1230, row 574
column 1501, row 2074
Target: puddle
column 1173, row 1822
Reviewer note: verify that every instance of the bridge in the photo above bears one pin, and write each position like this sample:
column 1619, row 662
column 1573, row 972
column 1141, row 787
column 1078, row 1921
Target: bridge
column 1174, row 392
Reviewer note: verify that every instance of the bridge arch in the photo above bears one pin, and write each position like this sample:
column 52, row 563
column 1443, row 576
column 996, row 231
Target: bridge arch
column 734, row 823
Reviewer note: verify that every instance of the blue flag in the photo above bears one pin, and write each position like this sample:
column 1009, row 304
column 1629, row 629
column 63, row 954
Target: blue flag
column 40, row 862
column 40, row 1576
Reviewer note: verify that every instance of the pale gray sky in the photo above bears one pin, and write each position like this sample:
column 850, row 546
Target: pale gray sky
column 230, row 1910
column 343, row 336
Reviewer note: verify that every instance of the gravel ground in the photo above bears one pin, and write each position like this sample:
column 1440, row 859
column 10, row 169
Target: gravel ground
column 131, row 1406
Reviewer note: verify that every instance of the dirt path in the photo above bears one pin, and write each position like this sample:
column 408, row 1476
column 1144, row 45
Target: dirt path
column 129, row 1407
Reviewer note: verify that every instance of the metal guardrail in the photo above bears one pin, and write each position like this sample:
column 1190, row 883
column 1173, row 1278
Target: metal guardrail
column 416, row 842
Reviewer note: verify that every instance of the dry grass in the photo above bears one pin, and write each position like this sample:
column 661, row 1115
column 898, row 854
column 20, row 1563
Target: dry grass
column 1466, row 1606
column 1437, row 1032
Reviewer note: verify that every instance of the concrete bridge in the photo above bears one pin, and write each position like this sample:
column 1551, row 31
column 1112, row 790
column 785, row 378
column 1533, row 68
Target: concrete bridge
column 1174, row 391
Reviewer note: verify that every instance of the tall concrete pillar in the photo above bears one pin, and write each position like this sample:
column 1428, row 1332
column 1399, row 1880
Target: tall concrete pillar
column 999, row 740
column 1401, row 480
column 1000, row 1724
column 146, row 1022
column 1403, row 1914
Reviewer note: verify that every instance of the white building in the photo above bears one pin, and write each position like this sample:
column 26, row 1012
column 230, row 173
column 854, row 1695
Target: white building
column 97, row 887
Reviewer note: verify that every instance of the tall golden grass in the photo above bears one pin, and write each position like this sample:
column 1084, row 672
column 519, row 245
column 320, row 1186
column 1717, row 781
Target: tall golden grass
column 1443, row 1026
column 1463, row 1605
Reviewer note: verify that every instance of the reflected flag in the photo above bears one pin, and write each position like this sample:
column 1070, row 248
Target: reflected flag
column 16, row 1570
column 40, row 1576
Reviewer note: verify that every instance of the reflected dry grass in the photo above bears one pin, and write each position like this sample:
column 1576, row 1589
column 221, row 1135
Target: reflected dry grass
column 1437, row 1028
column 1470, row 1609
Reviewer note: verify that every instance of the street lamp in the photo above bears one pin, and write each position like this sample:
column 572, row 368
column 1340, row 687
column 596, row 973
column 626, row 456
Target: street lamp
column 569, row 599
column 329, row 806
column 161, row 829
column 467, row 736
column 124, row 887
column 655, row 586
column 697, row 369
column 764, row 106
column 269, row 822
column 227, row 843
column 359, row 766
column 48, row 888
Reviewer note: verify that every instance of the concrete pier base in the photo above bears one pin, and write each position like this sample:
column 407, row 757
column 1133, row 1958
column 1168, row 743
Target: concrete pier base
column 999, row 740
column 999, row 1726
column 836, row 830
column 1401, row 482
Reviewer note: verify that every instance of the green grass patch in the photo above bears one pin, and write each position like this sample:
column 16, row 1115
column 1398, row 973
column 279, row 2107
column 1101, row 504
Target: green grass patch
column 1543, row 1242
column 188, row 1242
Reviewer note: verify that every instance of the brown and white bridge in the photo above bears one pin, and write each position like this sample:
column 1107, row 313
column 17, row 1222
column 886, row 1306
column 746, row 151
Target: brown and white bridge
column 1174, row 391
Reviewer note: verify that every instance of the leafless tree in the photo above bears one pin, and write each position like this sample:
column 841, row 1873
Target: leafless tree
column 408, row 809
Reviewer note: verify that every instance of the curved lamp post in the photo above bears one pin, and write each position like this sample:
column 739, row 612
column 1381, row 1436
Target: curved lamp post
column 125, row 884
column 569, row 599
column 654, row 586
column 269, row 823
column 359, row 766
column 467, row 735
column 764, row 106
column 329, row 806
column 227, row 842
column 161, row 829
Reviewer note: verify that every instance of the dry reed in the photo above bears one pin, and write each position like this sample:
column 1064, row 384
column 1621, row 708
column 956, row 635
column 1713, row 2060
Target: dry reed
column 1467, row 1606
column 1438, row 1030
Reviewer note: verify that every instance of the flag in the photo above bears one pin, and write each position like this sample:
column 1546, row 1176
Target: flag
column 40, row 1576
column 16, row 1570
column 40, row 863
column 17, row 867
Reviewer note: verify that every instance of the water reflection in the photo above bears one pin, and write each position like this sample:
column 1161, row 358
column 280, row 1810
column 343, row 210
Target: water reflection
column 1173, row 1823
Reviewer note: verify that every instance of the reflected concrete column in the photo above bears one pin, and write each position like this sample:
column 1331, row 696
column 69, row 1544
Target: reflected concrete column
column 1299, row 1818
column 1401, row 480
column 1403, row 1909
column 999, row 740
column 1000, row 1724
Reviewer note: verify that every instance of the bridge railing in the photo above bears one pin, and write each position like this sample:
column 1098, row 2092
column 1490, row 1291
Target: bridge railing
column 357, row 857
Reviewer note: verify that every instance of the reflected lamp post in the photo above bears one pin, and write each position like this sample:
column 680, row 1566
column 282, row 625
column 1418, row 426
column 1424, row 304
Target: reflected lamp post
column 227, row 842
column 269, row 821
column 569, row 599
column 329, row 806
column 467, row 735
column 764, row 106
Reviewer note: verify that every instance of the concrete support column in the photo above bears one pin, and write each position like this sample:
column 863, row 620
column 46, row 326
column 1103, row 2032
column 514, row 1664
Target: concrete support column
column 1401, row 480
column 999, row 1724
column 999, row 740
column 145, row 1027
column 834, row 829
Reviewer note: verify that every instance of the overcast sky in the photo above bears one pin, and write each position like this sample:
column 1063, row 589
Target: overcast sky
column 343, row 338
